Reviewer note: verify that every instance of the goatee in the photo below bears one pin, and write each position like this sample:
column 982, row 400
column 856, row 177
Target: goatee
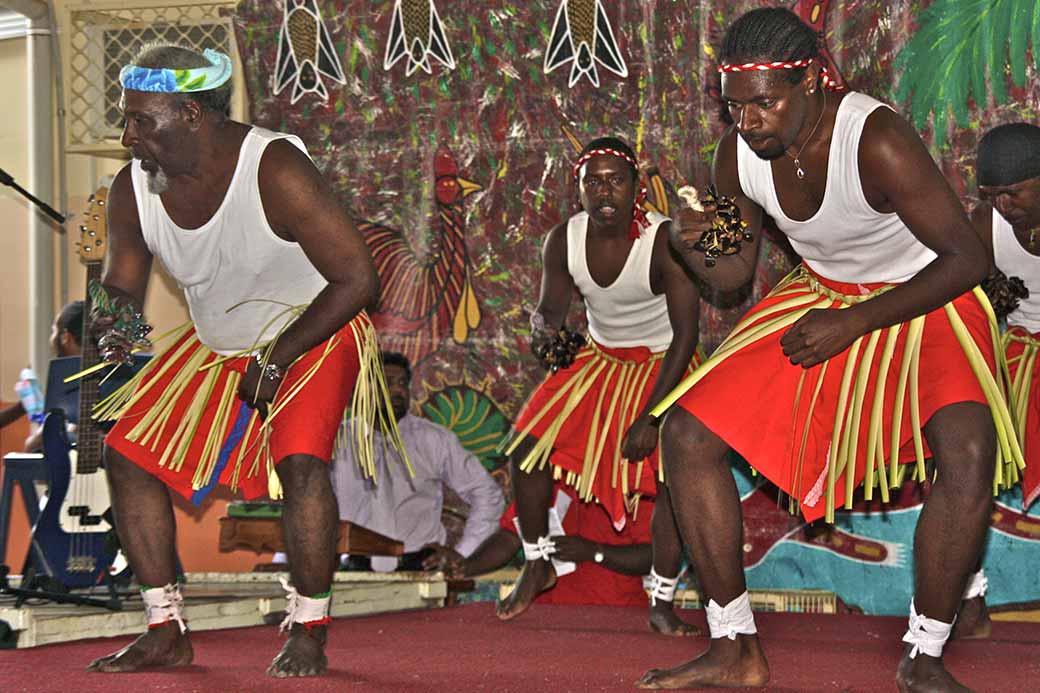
column 770, row 154
column 158, row 183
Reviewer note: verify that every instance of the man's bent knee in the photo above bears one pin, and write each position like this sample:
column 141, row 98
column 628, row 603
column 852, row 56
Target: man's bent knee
column 123, row 471
column 963, row 439
column 685, row 440
column 301, row 472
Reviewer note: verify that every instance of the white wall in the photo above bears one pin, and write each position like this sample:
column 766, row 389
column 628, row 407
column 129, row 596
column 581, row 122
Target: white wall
column 14, row 218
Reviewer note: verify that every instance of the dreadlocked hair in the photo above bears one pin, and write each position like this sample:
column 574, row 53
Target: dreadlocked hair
column 770, row 34
column 612, row 143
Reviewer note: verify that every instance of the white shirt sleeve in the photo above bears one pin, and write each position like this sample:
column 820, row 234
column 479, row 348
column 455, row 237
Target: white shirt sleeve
column 353, row 491
column 464, row 473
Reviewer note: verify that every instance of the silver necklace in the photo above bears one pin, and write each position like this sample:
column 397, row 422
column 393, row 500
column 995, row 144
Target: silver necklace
column 799, row 171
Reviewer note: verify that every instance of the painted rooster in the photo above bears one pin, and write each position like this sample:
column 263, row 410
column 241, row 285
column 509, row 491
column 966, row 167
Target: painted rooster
column 425, row 297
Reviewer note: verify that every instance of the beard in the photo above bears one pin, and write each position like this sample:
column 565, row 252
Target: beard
column 158, row 182
column 773, row 151
column 770, row 153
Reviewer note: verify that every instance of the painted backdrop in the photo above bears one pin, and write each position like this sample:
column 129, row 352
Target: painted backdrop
column 448, row 129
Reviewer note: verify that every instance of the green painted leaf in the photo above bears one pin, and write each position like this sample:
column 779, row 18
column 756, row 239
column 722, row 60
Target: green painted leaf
column 979, row 61
column 998, row 34
column 472, row 416
column 939, row 134
column 1035, row 35
column 961, row 53
column 1021, row 23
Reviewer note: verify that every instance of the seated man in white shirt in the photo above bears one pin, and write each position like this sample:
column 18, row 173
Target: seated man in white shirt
column 406, row 508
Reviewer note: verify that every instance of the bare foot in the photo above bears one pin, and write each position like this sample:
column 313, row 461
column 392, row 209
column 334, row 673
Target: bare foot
column 727, row 663
column 164, row 646
column 535, row 578
column 972, row 620
column 303, row 654
column 926, row 674
column 665, row 621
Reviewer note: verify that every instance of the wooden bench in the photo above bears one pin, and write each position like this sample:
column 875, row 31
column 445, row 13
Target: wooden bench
column 265, row 534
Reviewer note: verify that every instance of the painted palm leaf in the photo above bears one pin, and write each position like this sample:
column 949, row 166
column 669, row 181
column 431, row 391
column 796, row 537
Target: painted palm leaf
column 962, row 46
column 472, row 416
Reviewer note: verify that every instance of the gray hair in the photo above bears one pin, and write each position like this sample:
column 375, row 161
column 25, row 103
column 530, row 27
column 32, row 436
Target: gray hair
column 174, row 57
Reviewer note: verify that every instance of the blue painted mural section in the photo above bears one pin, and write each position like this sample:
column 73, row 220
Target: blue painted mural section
column 885, row 586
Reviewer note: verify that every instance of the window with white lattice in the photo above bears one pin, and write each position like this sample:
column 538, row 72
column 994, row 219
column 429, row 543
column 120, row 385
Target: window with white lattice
column 99, row 38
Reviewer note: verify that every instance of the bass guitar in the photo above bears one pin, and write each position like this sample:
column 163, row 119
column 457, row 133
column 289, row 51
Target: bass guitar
column 70, row 540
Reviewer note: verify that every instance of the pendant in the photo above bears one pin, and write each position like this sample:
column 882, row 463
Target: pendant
column 798, row 169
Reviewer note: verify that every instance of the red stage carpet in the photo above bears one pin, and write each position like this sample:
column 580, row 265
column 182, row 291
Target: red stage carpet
column 551, row 648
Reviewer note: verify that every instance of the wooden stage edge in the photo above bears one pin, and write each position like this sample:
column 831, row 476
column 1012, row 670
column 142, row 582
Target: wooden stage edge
column 214, row 601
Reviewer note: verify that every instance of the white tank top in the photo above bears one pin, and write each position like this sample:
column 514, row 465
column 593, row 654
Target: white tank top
column 846, row 240
column 627, row 313
column 1013, row 260
column 233, row 257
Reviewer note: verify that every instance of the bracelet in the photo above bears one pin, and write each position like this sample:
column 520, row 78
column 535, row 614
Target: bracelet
column 271, row 372
column 559, row 350
column 128, row 323
column 1004, row 292
column 727, row 230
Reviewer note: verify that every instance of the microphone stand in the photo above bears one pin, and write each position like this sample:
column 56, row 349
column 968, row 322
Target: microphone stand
column 36, row 585
column 8, row 180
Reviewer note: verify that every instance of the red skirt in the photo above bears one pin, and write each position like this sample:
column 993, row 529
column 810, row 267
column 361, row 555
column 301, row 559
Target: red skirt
column 819, row 433
column 181, row 419
column 591, row 583
column 1020, row 349
column 580, row 416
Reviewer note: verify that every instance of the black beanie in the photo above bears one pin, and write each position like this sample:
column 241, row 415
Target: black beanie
column 1009, row 154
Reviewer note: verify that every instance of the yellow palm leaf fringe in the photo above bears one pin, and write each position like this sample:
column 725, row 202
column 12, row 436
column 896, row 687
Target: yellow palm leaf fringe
column 371, row 401
column 805, row 433
column 370, row 406
column 115, row 402
column 856, row 378
column 176, row 332
column 616, row 408
column 1021, row 386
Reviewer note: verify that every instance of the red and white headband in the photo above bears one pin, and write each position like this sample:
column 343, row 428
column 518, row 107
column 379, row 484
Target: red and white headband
column 825, row 76
column 600, row 152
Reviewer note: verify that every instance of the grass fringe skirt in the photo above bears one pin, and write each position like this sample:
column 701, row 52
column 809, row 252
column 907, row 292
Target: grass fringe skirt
column 1020, row 350
column 182, row 415
column 855, row 418
column 578, row 418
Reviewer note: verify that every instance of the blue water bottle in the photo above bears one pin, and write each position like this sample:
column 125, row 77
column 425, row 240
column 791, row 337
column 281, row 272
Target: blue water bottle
column 28, row 390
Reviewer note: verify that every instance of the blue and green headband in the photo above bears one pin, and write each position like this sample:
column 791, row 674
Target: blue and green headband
column 176, row 81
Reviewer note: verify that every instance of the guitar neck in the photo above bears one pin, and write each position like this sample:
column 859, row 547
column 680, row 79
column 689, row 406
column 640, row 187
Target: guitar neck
column 89, row 436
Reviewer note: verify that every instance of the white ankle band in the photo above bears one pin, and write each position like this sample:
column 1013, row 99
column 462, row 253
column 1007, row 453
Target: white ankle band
column 731, row 620
column 927, row 635
column 305, row 610
column 660, row 587
column 163, row 604
column 978, row 583
column 541, row 550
